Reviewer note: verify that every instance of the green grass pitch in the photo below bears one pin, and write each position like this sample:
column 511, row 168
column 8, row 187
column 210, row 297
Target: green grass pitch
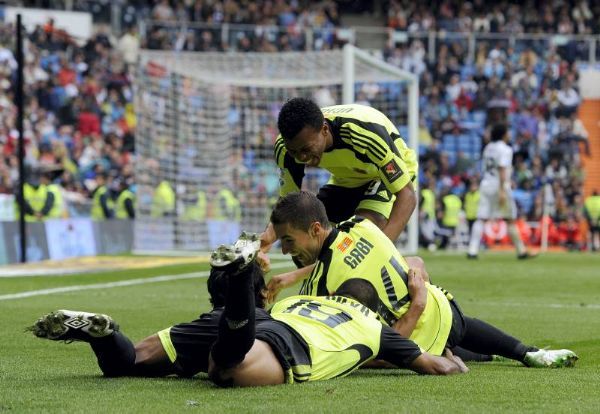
column 550, row 301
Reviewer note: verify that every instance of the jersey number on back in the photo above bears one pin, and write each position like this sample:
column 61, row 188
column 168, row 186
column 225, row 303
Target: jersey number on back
column 491, row 167
column 314, row 311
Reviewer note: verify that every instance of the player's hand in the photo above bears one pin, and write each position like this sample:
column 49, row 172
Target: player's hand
column 456, row 359
column 277, row 283
column 263, row 261
column 416, row 288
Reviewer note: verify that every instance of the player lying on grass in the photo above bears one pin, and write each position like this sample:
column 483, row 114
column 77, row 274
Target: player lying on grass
column 181, row 350
column 308, row 338
column 359, row 249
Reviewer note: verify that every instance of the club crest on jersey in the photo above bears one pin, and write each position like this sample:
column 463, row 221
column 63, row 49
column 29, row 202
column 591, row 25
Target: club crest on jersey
column 392, row 171
column 344, row 244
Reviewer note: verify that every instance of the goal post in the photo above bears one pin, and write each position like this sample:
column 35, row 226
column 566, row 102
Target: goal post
column 350, row 54
column 206, row 126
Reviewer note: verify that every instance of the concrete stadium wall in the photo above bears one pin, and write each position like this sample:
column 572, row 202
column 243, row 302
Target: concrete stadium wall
column 589, row 83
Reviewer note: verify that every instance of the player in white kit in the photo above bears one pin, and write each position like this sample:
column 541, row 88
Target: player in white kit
column 496, row 201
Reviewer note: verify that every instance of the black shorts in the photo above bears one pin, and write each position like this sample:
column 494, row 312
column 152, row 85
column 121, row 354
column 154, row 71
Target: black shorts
column 341, row 203
column 458, row 329
column 191, row 342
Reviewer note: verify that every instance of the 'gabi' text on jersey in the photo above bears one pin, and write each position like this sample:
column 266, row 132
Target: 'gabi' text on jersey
column 358, row 253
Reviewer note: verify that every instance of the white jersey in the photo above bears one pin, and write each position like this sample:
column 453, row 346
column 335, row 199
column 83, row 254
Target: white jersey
column 495, row 155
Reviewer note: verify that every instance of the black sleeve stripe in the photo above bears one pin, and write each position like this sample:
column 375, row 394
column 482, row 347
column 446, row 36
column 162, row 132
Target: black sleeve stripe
column 399, row 270
column 377, row 129
column 374, row 140
column 366, row 142
column 379, row 132
column 402, row 302
column 357, row 142
column 279, row 147
column 389, row 286
column 348, row 144
column 385, row 313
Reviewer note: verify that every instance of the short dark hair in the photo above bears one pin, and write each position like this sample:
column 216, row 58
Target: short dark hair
column 360, row 290
column 296, row 114
column 498, row 132
column 218, row 282
column 300, row 210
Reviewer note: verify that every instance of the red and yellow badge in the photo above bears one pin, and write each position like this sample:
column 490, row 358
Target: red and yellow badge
column 392, row 170
column 344, row 244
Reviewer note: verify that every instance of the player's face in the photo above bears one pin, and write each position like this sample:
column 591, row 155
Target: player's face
column 303, row 245
column 308, row 146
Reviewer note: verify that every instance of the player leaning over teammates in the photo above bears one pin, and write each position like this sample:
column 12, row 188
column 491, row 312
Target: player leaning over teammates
column 496, row 201
column 308, row 338
column 371, row 167
column 358, row 249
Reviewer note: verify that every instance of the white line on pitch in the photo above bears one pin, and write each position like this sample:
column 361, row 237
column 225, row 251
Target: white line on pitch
column 108, row 285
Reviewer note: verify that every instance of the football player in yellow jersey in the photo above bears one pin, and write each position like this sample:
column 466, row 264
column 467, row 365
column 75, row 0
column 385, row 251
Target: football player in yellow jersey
column 357, row 248
column 371, row 167
column 309, row 338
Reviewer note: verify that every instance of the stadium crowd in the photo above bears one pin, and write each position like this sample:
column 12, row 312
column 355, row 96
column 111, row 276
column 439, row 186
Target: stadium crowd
column 80, row 121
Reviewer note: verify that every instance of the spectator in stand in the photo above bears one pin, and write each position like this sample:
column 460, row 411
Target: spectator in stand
column 129, row 46
column 568, row 100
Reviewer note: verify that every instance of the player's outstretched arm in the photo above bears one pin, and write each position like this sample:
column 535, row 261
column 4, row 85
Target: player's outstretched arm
column 279, row 282
column 404, row 353
column 438, row 365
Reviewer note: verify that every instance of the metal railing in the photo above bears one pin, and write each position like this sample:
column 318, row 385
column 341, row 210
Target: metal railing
column 580, row 48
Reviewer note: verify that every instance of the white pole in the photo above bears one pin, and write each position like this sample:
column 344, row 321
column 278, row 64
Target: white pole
column 349, row 75
column 413, row 142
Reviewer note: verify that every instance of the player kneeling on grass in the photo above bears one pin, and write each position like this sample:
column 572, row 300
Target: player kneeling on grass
column 308, row 338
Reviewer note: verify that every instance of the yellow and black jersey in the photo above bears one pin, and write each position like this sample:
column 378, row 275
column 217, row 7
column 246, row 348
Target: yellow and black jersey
column 339, row 333
column 366, row 146
column 357, row 248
